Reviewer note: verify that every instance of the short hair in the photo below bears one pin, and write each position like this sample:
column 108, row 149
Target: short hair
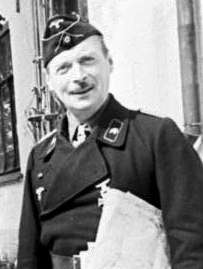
column 105, row 50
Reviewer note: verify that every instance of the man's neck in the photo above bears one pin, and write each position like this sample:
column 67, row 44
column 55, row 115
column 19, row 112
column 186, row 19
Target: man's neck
column 84, row 116
column 91, row 119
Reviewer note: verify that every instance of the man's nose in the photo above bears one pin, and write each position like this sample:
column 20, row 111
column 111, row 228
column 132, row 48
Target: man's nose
column 77, row 73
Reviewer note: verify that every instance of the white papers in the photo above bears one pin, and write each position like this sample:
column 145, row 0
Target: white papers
column 130, row 235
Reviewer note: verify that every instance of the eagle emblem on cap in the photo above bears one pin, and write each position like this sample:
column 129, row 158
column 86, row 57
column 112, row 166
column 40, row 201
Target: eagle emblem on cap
column 56, row 23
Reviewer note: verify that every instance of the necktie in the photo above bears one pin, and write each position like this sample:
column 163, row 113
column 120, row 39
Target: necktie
column 81, row 134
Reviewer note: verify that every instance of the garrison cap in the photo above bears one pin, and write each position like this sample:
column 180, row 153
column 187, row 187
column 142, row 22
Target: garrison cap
column 63, row 32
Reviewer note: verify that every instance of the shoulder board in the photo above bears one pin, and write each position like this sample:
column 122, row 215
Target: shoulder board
column 152, row 113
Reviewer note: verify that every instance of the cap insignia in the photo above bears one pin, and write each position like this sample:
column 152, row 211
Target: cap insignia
column 56, row 23
column 66, row 39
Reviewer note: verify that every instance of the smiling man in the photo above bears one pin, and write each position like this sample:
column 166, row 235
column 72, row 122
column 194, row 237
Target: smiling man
column 101, row 149
column 80, row 77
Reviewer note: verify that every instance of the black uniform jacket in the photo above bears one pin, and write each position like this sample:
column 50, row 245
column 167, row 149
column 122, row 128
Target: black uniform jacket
column 140, row 153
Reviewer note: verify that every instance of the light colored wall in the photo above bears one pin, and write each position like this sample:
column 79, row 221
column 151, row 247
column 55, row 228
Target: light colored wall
column 142, row 37
column 22, row 55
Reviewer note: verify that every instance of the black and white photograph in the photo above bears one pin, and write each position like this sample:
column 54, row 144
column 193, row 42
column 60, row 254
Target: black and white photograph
column 101, row 134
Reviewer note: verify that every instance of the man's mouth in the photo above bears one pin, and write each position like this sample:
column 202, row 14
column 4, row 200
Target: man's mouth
column 83, row 90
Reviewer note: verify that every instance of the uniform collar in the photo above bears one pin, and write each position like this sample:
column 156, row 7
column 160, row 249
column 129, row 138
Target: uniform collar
column 93, row 121
column 111, row 123
column 111, row 127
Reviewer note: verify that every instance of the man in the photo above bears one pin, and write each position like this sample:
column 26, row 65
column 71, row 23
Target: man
column 124, row 150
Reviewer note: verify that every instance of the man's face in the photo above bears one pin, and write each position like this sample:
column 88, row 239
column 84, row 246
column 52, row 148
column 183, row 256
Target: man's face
column 80, row 77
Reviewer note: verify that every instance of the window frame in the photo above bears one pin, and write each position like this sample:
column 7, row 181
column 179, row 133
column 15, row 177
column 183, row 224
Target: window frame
column 9, row 174
column 42, row 116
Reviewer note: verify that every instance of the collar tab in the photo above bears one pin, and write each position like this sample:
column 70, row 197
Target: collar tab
column 113, row 124
column 113, row 131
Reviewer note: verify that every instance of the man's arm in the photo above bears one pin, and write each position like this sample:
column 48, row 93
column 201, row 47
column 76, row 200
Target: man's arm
column 180, row 182
column 30, row 252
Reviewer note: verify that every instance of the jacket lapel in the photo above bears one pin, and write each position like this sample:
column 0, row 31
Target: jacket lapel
column 81, row 169
column 85, row 166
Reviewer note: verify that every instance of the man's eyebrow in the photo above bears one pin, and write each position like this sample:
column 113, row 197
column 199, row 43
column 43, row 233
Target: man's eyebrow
column 89, row 55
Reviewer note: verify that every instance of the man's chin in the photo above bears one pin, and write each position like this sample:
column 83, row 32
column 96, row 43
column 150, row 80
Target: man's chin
column 80, row 107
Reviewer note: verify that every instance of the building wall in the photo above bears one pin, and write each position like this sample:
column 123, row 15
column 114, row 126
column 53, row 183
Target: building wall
column 142, row 37
column 22, row 54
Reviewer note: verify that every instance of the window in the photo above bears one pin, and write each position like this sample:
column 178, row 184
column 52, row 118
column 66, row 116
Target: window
column 9, row 155
column 43, row 114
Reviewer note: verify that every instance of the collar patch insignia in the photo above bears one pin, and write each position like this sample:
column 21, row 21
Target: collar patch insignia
column 113, row 130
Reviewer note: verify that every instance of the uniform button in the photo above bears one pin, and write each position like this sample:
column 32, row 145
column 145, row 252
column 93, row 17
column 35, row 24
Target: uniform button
column 40, row 175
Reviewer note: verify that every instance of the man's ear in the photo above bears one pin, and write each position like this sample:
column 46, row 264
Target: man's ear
column 110, row 63
column 47, row 79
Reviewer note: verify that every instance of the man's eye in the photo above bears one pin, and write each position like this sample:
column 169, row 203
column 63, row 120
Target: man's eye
column 63, row 69
column 87, row 60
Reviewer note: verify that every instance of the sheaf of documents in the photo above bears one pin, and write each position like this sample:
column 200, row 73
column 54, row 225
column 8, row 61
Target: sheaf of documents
column 130, row 235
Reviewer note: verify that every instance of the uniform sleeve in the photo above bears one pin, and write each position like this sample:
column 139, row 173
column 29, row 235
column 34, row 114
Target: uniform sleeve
column 31, row 254
column 179, row 174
